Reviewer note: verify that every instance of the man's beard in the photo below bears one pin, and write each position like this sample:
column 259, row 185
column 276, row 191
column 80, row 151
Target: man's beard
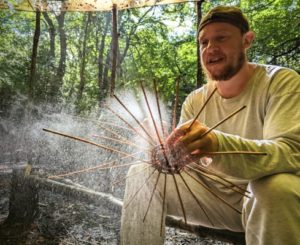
column 229, row 70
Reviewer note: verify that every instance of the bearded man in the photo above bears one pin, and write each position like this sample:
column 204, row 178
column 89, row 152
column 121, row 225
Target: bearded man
column 268, row 122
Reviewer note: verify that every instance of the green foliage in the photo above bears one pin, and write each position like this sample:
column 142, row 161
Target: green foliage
column 276, row 24
column 154, row 43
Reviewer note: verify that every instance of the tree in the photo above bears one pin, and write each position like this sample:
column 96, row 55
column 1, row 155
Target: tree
column 157, row 43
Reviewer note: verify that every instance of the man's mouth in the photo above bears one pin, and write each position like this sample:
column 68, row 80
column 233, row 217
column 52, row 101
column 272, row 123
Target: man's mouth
column 215, row 60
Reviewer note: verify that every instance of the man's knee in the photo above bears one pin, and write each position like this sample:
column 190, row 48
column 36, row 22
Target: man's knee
column 136, row 168
column 142, row 176
column 140, row 172
column 276, row 189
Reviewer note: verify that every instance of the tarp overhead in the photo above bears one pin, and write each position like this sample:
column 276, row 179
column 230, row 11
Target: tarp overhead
column 79, row 5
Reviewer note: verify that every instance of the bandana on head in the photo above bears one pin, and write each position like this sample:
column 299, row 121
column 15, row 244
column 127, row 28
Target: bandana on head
column 227, row 14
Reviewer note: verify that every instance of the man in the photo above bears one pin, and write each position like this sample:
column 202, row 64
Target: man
column 269, row 124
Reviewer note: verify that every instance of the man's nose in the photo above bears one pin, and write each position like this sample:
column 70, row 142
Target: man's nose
column 212, row 46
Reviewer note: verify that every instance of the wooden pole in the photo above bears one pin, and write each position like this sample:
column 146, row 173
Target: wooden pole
column 199, row 67
column 114, row 49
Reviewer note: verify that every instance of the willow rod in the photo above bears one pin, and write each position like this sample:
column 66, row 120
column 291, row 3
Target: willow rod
column 222, row 121
column 202, row 108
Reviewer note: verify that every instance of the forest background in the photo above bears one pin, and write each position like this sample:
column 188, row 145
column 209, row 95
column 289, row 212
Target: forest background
column 75, row 50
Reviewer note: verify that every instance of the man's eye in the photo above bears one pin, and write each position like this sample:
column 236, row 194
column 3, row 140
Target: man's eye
column 203, row 43
column 221, row 38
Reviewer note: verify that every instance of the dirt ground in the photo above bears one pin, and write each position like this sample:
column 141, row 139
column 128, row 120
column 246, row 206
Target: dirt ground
column 62, row 221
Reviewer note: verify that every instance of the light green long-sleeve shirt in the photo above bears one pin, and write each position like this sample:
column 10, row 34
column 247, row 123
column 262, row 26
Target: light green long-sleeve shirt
column 270, row 123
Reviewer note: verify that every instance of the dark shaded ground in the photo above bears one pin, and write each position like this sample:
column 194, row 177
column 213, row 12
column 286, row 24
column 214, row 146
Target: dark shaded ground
column 63, row 221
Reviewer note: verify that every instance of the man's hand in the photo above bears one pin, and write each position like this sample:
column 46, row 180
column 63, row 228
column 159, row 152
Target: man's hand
column 184, row 145
column 187, row 143
column 193, row 141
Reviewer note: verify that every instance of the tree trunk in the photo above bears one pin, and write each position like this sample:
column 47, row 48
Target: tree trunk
column 83, row 57
column 63, row 52
column 114, row 49
column 32, row 77
column 52, row 35
column 105, row 82
column 131, row 33
column 50, row 82
column 102, row 84
column 199, row 67
column 23, row 203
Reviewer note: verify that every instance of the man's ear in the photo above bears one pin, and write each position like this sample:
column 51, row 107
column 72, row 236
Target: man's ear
column 248, row 39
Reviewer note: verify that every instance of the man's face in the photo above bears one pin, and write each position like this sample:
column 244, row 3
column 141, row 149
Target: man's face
column 221, row 49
